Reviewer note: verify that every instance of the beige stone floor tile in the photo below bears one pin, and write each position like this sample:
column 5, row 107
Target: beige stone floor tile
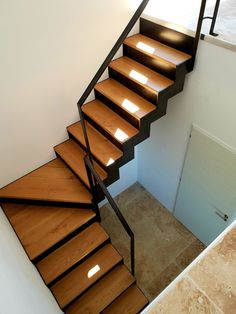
column 162, row 280
column 189, row 254
column 155, row 211
column 159, row 237
column 216, row 274
column 124, row 198
column 185, row 298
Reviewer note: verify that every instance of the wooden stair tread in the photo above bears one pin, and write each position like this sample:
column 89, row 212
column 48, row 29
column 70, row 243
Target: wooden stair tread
column 41, row 227
column 125, row 98
column 81, row 278
column 103, row 293
column 141, row 74
column 51, row 182
column 105, row 151
column 156, row 49
column 132, row 301
column 73, row 155
column 71, row 252
column 110, row 121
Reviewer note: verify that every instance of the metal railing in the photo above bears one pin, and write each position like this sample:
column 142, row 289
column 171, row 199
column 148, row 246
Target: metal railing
column 95, row 178
column 103, row 67
column 199, row 27
column 213, row 18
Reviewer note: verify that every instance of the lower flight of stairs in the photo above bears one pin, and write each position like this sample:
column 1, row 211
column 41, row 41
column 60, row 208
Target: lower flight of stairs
column 75, row 258
column 51, row 208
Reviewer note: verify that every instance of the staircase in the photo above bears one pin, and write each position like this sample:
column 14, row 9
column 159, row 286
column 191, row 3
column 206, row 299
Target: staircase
column 52, row 208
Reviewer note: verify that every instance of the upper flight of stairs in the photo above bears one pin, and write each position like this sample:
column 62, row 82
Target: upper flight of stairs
column 51, row 208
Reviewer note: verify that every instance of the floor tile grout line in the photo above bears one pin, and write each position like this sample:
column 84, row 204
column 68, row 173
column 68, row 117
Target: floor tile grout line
column 203, row 292
column 179, row 233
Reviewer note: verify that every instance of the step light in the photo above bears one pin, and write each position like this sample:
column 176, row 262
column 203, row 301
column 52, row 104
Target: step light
column 93, row 271
column 121, row 135
column 146, row 48
column 138, row 77
column 130, row 106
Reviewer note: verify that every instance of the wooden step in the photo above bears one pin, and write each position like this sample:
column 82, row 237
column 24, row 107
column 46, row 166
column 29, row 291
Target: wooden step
column 141, row 75
column 168, row 36
column 53, row 182
column 72, row 252
column 119, row 129
column 81, row 278
column 102, row 149
column 157, row 50
column 103, row 293
column 132, row 301
column 41, row 227
column 128, row 101
column 73, row 156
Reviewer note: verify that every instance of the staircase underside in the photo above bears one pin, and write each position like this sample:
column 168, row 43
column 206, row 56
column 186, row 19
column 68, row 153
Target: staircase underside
column 51, row 208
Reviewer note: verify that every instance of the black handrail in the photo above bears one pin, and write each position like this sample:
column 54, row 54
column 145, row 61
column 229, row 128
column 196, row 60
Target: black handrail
column 92, row 174
column 93, row 177
column 213, row 18
column 199, row 27
column 103, row 68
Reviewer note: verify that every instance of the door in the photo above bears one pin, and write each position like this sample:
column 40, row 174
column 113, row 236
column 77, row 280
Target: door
column 206, row 201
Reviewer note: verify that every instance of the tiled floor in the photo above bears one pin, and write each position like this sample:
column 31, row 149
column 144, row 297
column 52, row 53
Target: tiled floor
column 208, row 286
column 164, row 247
column 185, row 13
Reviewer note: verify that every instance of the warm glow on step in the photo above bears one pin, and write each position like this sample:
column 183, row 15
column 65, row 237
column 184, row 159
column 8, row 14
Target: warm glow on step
column 146, row 48
column 130, row 106
column 93, row 271
column 110, row 162
column 171, row 36
column 120, row 135
column 138, row 77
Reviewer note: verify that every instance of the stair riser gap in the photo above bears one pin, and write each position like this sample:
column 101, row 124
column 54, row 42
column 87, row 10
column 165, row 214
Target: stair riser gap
column 108, row 169
column 86, row 184
column 45, row 203
column 167, row 36
column 161, row 66
column 139, row 89
column 124, row 114
column 104, row 132
column 64, row 240
column 78, row 263
column 93, row 284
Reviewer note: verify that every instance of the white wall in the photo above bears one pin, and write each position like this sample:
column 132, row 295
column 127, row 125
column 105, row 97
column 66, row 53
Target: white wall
column 50, row 51
column 208, row 100
column 22, row 289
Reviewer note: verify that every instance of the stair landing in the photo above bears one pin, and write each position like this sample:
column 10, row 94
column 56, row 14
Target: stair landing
column 53, row 182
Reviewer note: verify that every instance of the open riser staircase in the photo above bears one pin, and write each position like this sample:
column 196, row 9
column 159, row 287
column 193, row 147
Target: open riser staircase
column 52, row 208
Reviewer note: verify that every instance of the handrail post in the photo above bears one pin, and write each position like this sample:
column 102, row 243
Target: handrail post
column 96, row 177
column 132, row 250
column 93, row 191
column 87, row 145
column 198, row 30
column 213, row 23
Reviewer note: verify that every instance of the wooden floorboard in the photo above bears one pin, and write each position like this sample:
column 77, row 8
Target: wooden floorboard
column 41, row 227
column 141, row 74
column 51, row 182
column 103, row 293
column 81, row 278
column 103, row 150
column 156, row 49
column 72, row 252
column 132, row 301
